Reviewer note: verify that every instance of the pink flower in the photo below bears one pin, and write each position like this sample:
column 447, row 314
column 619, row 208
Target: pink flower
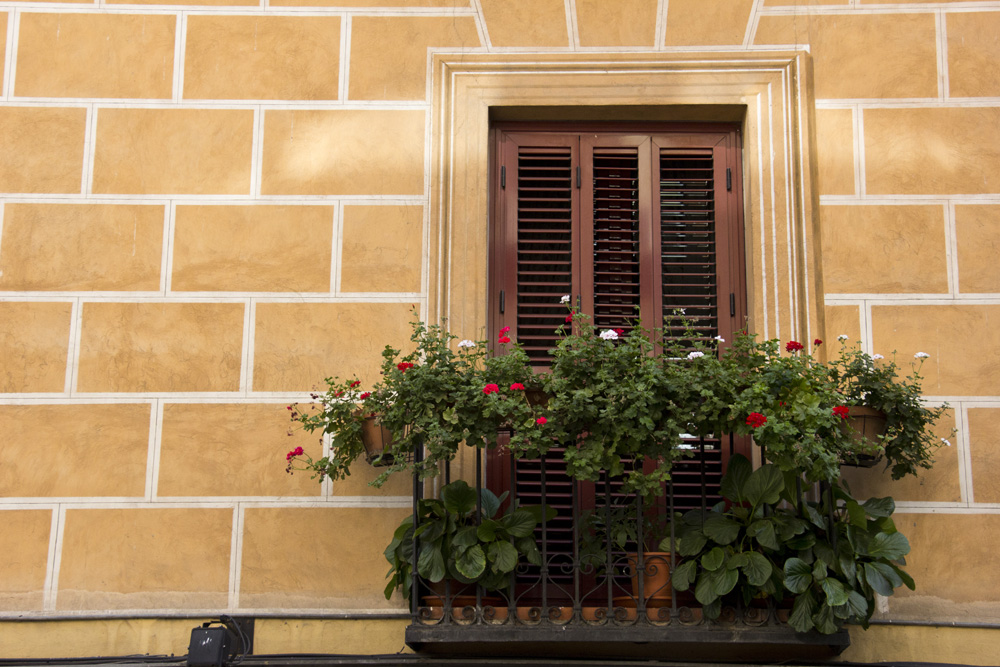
column 841, row 411
column 817, row 342
column 365, row 395
column 756, row 420
column 541, row 421
column 517, row 386
column 403, row 365
column 793, row 346
column 491, row 389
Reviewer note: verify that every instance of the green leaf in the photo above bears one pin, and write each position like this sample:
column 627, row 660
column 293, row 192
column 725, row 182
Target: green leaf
column 877, row 580
column 803, row 609
column 836, row 594
column 713, row 610
column 734, row 483
column 765, row 485
column 890, row 547
column 890, row 574
column 824, row 620
column 491, row 504
column 471, row 564
column 857, row 515
column 724, row 580
column 857, row 604
column 459, row 498
column 798, row 575
column 879, row 507
column 704, row 589
column 430, row 563
column 758, row 569
column 904, row 577
column 763, row 530
column 720, row 529
column 824, row 552
column 465, row 537
column 520, row 523
column 738, row 560
column 503, row 556
column 528, row 547
column 684, row 574
column 692, row 543
column 819, row 570
column 487, row 531
column 713, row 559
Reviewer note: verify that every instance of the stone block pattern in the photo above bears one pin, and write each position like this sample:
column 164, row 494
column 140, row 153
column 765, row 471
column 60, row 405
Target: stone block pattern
column 208, row 206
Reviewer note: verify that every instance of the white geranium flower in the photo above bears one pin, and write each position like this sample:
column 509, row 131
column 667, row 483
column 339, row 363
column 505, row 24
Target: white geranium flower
column 720, row 339
column 877, row 356
column 921, row 355
column 842, row 337
column 695, row 355
column 564, row 299
column 609, row 334
column 466, row 343
column 946, row 441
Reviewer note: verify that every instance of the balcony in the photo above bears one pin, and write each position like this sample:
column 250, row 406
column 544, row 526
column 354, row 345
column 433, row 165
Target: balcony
column 593, row 590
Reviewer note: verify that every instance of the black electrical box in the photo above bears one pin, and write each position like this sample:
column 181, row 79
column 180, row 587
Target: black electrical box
column 209, row 647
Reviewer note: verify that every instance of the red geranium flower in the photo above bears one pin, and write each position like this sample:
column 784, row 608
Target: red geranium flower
column 504, row 330
column 517, row 386
column 292, row 454
column 491, row 389
column 620, row 332
column 817, row 342
column 355, row 383
column 504, row 339
column 756, row 420
column 841, row 411
column 793, row 346
column 541, row 421
column 569, row 318
column 403, row 365
column 365, row 395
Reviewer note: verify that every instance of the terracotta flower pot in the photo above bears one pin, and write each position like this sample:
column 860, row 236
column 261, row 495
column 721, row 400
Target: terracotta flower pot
column 864, row 426
column 656, row 579
column 376, row 438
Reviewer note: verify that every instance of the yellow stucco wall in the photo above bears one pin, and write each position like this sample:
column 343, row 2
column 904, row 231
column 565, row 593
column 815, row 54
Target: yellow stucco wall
column 206, row 207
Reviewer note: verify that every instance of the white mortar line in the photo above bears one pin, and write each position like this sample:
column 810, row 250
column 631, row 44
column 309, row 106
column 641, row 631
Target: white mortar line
column 752, row 22
column 791, row 229
column 343, row 88
column 169, row 232
column 213, row 502
column 484, row 35
column 941, row 34
column 964, row 444
column 774, row 216
column 55, row 558
column 236, row 557
column 13, row 21
column 660, row 28
column 855, row 149
column 246, row 357
column 763, row 224
column 153, row 457
column 257, row 152
column 337, row 252
column 76, row 328
column 859, row 139
column 180, row 40
column 572, row 29
column 951, row 248
column 326, row 486
column 3, row 207
column 89, row 150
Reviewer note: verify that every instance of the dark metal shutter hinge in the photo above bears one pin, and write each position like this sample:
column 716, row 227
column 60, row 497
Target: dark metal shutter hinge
column 729, row 179
column 579, row 180
column 501, row 302
column 732, row 304
column 503, row 177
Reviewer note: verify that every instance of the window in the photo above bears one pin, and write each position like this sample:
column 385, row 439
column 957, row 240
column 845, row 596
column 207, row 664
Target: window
column 638, row 219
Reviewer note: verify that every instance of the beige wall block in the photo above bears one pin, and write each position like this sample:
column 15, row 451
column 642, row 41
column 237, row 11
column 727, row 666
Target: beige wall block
column 932, row 151
column 24, row 543
column 90, row 450
column 42, row 149
column 915, row 643
column 351, row 152
column 34, row 342
column 939, row 484
column 361, row 474
column 3, row 39
column 382, row 249
column 43, row 639
column 622, row 23
column 901, row 247
column 145, row 558
column 253, row 248
column 844, row 48
column 95, row 55
column 161, row 347
column 464, row 4
column 984, row 448
column 285, row 548
column 262, row 57
column 835, row 151
column 840, row 320
column 963, row 341
column 299, row 344
column 978, row 232
column 526, row 22
column 707, row 22
column 81, row 247
column 232, row 449
column 185, row 151
column 947, row 559
column 316, row 635
column 389, row 53
column 973, row 52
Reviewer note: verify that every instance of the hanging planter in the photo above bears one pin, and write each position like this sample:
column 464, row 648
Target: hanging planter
column 376, row 439
column 864, row 426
